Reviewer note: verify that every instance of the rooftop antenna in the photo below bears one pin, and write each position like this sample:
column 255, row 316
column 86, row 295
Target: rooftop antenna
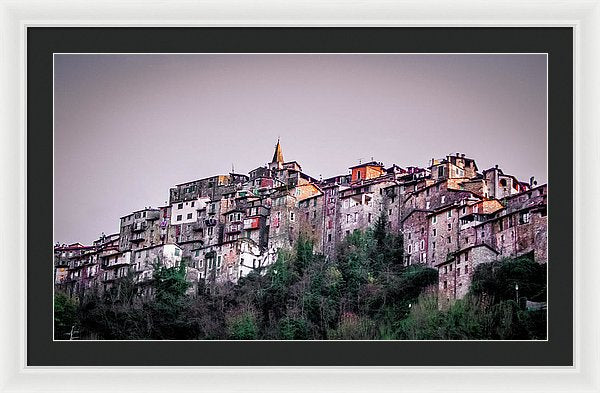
column 232, row 169
column 360, row 161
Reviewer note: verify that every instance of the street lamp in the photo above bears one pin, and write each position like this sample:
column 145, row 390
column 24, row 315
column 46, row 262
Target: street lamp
column 517, row 291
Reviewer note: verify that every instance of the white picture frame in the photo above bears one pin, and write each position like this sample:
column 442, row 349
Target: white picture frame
column 583, row 15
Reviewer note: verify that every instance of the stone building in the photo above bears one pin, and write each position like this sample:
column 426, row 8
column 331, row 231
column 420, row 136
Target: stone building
column 224, row 227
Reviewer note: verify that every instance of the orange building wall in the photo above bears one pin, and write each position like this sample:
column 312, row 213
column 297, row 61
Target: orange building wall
column 366, row 172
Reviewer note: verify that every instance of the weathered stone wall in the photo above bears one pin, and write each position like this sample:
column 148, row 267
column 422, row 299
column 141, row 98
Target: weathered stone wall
column 416, row 238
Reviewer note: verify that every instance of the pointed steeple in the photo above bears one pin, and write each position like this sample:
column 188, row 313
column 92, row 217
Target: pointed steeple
column 278, row 155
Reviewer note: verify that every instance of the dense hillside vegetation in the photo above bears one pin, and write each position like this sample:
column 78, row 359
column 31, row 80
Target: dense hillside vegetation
column 366, row 293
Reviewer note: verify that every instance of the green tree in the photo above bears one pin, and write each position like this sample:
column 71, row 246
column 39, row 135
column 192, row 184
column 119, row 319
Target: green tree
column 65, row 316
column 498, row 279
column 170, row 301
column 242, row 326
column 293, row 329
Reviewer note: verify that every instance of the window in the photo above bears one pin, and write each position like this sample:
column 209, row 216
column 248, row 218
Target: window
column 410, row 248
column 449, row 239
column 179, row 217
column 434, row 232
column 369, row 218
column 315, row 214
column 445, row 284
column 422, row 245
column 210, row 231
column 189, row 216
column 329, row 237
column 218, row 261
column 458, row 271
column 192, row 204
column 355, row 217
column 466, row 269
column 524, row 218
column 449, row 226
column 443, row 198
column 466, row 256
column 449, row 213
column 428, row 205
column 347, row 218
column 357, row 175
column 433, row 219
column 441, row 171
column 464, row 209
column 466, row 240
column 180, row 206
column 177, row 251
column 445, row 271
column 450, row 267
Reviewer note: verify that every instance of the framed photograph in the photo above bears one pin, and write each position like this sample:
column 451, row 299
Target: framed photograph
column 350, row 204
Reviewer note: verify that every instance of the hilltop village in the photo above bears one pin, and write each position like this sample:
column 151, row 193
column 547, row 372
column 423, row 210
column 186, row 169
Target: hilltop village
column 452, row 216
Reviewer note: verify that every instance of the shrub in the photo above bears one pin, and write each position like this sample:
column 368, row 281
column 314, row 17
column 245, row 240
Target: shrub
column 242, row 326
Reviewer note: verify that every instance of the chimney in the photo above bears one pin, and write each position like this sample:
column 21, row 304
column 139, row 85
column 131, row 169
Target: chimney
column 532, row 181
column 457, row 154
column 496, row 166
column 462, row 155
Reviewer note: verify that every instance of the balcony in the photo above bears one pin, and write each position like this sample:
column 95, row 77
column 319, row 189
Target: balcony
column 138, row 226
column 471, row 220
column 210, row 222
column 61, row 262
column 234, row 228
column 138, row 238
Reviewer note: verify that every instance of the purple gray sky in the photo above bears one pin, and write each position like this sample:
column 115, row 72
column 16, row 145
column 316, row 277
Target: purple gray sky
column 128, row 127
